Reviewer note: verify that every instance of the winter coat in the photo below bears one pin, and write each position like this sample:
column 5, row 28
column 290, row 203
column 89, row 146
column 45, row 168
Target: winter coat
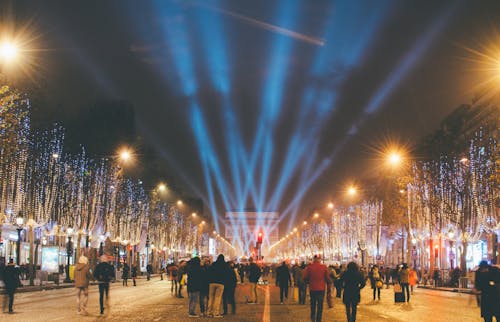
column 413, row 277
column 196, row 276
column 217, row 272
column 298, row 279
column 254, row 273
column 125, row 271
column 318, row 276
column 374, row 277
column 11, row 278
column 231, row 280
column 404, row 276
column 488, row 282
column 104, row 272
column 82, row 275
column 283, row 276
column 352, row 282
column 204, row 283
column 134, row 271
column 172, row 271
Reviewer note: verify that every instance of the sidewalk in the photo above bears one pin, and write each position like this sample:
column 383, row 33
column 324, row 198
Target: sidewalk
column 447, row 289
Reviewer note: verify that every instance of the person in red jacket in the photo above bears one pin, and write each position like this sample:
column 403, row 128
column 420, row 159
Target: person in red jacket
column 318, row 278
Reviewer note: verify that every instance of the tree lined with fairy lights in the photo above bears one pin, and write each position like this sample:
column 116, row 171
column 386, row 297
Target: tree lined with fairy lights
column 54, row 190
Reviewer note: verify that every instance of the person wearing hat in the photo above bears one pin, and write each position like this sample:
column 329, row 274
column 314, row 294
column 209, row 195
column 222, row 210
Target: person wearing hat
column 104, row 273
column 487, row 281
column 319, row 277
column 82, row 279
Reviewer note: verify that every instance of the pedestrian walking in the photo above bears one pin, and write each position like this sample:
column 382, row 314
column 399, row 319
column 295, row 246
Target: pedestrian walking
column 412, row 279
column 352, row 281
column 216, row 275
column 181, row 279
column 229, row 289
column 254, row 273
column 319, row 277
column 241, row 272
column 375, row 281
column 283, row 280
column 125, row 274
column 11, row 279
column 387, row 276
column 299, row 282
column 82, row 280
column 487, row 282
column 133, row 274
column 333, row 278
column 173, row 270
column 149, row 271
column 404, row 280
column 104, row 273
column 195, row 283
column 338, row 285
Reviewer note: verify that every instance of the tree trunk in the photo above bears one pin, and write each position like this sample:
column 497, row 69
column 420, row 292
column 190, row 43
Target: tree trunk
column 31, row 265
column 78, row 242
column 463, row 257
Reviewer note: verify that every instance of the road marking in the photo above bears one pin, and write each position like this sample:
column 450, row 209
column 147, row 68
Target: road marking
column 266, row 317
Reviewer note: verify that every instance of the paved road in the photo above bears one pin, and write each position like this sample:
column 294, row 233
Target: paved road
column 152, row 301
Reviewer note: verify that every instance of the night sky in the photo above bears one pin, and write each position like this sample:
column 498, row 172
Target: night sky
column 273, row 105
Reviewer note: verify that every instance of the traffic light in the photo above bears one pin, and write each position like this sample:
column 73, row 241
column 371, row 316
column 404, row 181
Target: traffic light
column 259, row 238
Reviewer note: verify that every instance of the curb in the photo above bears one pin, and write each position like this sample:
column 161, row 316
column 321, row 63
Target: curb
column 455, row 290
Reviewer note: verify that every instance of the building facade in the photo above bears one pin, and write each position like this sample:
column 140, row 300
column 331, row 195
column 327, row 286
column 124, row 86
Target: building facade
column 242, row 229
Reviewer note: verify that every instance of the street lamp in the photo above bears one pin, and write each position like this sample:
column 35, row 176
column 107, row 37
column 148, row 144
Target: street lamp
column 19, row 223
column 162, row 187
column 8, row 51
column 147, row 257
column 69, row 253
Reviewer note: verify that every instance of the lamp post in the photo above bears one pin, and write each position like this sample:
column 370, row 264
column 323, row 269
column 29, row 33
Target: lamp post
column 147, row 257
column 19, row 223
column 69, row 253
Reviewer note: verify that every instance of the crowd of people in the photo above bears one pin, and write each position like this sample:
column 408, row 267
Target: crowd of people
column 211, row 286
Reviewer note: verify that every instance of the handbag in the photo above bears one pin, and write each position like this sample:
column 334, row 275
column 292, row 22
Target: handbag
column 397, row 288
column 184, row 279
column 379, row 284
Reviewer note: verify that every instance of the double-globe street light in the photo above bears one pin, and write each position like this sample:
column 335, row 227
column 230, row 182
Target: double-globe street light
column 19, row 228
column 69, row 253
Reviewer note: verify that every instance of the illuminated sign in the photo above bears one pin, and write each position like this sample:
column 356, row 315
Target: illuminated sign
column 211, row 246
column 50, row 259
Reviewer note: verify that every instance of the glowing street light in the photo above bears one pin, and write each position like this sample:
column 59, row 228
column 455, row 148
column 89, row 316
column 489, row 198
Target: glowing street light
column 351, row 191
column 125, row 155
column 330, row 205
column 193, row 214
column 316, row 215
column 162, row 187
column 394, row 159
column 8, row 51
column 179, row 203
